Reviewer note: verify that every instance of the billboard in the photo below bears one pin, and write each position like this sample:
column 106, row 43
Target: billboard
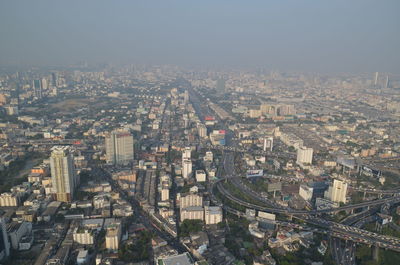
column 255, row 173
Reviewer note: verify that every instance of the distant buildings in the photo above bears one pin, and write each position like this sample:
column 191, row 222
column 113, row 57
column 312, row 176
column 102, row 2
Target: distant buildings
column 63, row 177
column 119, row 148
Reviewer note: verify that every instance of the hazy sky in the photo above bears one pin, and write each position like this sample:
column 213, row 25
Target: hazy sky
column 296, row 35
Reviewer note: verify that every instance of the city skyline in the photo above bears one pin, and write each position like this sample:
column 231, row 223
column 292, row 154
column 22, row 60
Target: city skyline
column 340, row 36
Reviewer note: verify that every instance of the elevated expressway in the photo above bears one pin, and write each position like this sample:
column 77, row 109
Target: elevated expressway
column 338, row 230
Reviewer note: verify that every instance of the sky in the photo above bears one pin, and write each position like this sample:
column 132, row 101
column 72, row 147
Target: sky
column 288, row 35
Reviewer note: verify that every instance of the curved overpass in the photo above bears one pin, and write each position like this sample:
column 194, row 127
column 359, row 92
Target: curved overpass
column 273, row 209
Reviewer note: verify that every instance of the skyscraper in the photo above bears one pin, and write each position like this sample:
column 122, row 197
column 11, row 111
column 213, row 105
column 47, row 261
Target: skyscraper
column 304, row 155
column 376, row 78
column 119, row 147
column 37, row 88
column 63, row 175
column 268, row 144
column 4, row 242
column 187, row 168
column 337, row 191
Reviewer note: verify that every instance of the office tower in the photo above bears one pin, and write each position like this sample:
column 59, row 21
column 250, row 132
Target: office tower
column 337, row 191
column 304, row 155
column 387, row 84
column 44, row 84
column 186, row 97
column 202, row 130
column 268, row 144
column 63, row 175
column 4, row 242
column 376, row 78
column 37, row 88
column 54, row 80
column 187, row 168
column 187, row 153
column 119, row 147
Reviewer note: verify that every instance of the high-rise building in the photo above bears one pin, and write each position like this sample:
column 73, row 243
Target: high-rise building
column 164, row 194
column 304, row 155
column 268, row 144
column 337, row 191
column 54, row 80
column 192, row 213
column 200, row 176
column 119, row 148
column 212, row 215
column 63, row 177
column 387, row 83
column 113, row 236
column 186, row 97
column 376, row 78
column 202, row 130
column 4, row 242
column 37, row 88
column 187, row 153
column 187, row 168
column 190, row 199
column 306, row 192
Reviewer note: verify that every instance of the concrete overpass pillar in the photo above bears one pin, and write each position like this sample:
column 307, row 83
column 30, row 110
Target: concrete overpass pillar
column 375, row 253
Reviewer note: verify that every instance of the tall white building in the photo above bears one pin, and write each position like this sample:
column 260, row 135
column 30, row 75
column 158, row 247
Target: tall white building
column 119, row 147
column 209, row 156
column 304, row 155
column 337, row 191
column 212, row 215
column 268, row 144
column 200, row 176
column 165, row 194
column 186, row 169
column 192, row 213
column 202, row 129
column 190, row 199
column 187, row 154
column 113, row 236
column 306, row 192
column 63, row 177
